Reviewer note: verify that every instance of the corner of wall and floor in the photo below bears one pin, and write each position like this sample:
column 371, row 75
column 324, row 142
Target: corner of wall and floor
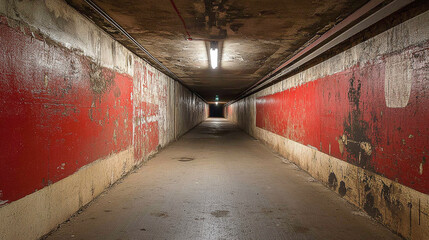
column 357, row 122
column 81, row 111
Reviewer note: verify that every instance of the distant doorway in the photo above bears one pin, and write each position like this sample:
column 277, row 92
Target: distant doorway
column 216, row 110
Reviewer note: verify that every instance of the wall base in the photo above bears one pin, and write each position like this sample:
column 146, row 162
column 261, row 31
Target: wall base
column 403, row 210
column 38, row 213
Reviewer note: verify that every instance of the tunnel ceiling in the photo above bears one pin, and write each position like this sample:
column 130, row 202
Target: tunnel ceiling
column 254, row 36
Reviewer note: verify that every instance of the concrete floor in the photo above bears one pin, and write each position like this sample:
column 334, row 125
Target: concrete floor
column 217, row 182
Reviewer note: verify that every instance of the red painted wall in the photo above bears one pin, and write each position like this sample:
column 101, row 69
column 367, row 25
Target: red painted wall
column 60, row 111
column 146, row 136
column 350, row 107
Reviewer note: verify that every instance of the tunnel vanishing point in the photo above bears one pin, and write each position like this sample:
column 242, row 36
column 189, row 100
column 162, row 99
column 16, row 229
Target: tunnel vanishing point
column 214, row 119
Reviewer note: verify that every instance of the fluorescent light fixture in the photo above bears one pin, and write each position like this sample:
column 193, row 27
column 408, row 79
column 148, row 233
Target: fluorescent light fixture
column 213, row 57
column 214, row 53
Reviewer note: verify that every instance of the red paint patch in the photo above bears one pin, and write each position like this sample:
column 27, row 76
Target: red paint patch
column 58, row 112
column 146, row 137
column 146, row 132
column 350, row 107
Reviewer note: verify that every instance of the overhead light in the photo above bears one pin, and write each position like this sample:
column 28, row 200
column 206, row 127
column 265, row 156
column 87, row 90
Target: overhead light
column 213, row 54
column 217, row 98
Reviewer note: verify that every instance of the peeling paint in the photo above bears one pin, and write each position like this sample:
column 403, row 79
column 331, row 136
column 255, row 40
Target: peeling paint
column 2, row 201
column 309, row 115
column 65, row 110
column 61, row 166
column 68, row 101
column 398, row 80
column 377, row 153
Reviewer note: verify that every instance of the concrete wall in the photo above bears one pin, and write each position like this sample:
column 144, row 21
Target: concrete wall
column 188, row 109
column 358, row 122
column 77, row 112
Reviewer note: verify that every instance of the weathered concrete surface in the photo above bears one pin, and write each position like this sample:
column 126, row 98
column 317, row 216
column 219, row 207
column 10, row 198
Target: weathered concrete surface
column 358, row 122
column 216, row 182
column 38, row 213
column 255, row 36
column 78, row 111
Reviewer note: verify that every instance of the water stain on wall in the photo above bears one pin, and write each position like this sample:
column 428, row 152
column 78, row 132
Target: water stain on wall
column 332, row 181
column 355, row 138
column 100, row 81
column 342, row 190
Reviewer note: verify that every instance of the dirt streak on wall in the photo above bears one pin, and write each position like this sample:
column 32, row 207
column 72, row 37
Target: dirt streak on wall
column 358, row 122
column 77, row 112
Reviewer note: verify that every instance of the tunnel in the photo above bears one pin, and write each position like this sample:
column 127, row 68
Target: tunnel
column 214, row 119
